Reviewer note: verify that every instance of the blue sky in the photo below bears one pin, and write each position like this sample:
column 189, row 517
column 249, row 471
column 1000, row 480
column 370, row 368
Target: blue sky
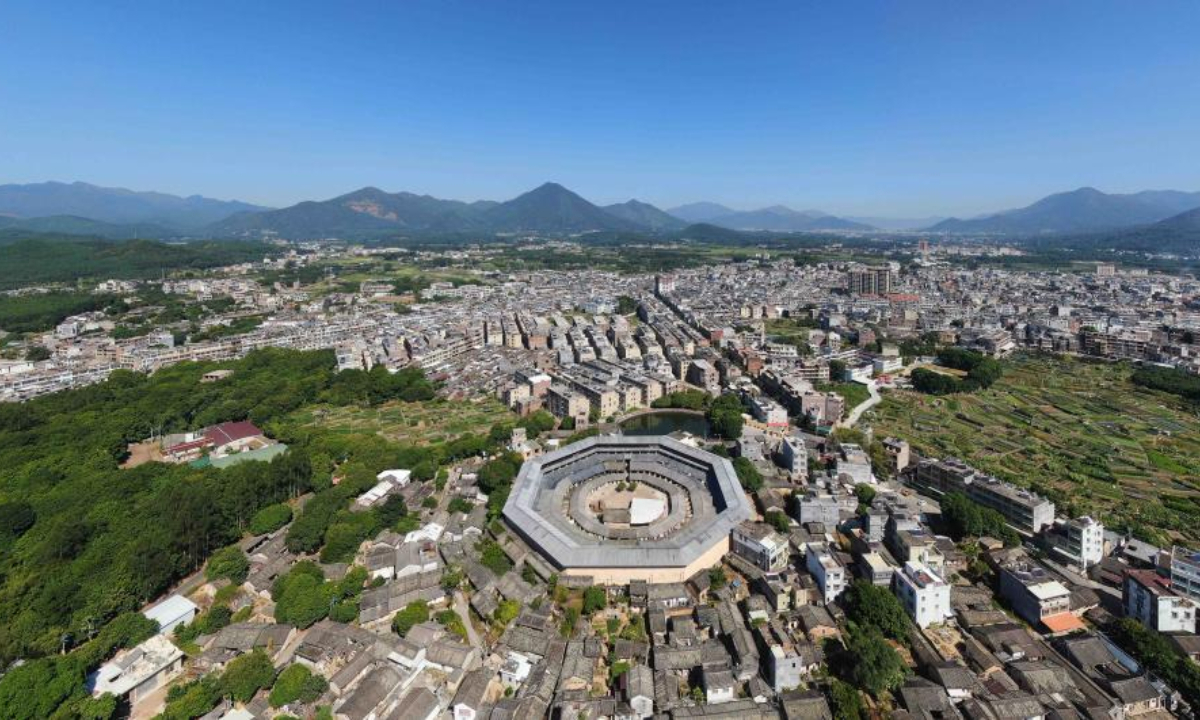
column 901, row 108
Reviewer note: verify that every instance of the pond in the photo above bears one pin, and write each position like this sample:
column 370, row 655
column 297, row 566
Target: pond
column 665, row 423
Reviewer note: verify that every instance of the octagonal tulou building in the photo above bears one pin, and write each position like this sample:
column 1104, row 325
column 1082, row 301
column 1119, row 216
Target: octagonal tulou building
column 622, row 508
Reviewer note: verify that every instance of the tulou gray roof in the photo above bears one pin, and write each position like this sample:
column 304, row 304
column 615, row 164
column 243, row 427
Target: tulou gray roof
column 548, row 505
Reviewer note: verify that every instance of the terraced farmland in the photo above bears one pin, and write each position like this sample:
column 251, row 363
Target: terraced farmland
column 1077, row 431
column 417, row 423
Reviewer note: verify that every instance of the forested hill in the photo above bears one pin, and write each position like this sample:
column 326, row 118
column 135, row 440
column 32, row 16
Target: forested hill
column 32, row 258
column 82, row 540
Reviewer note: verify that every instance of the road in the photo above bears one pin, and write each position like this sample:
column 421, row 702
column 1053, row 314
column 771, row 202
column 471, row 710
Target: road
column 864, row 406
column 464, row 612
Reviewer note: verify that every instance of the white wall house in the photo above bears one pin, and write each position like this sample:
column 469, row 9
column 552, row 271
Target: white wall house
column 925, row 596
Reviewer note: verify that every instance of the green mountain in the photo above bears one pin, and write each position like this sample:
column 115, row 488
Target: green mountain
column 30, row 258
column 75, row 225
column 552, row 208
column 370, row 211
column 363, row 212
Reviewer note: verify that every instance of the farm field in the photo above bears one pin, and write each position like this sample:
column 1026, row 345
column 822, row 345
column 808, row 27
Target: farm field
column 415, row 423
column 1079, row 432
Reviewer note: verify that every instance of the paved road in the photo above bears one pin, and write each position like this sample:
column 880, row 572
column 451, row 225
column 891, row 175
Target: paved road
column 864, row 406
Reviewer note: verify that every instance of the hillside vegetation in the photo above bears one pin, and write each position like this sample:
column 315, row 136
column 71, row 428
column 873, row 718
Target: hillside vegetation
column 30, row 259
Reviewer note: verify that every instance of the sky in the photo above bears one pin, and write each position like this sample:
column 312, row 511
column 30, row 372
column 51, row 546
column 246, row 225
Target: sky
column 903, row 109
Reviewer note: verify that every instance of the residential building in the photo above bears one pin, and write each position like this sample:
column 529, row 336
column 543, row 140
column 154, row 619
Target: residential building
column 135, row 673
column 1026, row 511
column 828, row 572
column 1185, row 572
column 1149, row 598
column 793, row 456
column 761, row 545
column 925, row 596
column 1036, row 596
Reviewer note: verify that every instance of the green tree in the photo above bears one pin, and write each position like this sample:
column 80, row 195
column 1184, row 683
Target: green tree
column 846, row 700
column 270, row 519
column 725, row 417
column 229, row 562
column 876, row 608
column 594, row 600
column 779, row 521
column 749, row 476
column 506, row 612
column 246, row 675
column 414, row 613
column 296, row 683
column 37, row 353
column 876, row 667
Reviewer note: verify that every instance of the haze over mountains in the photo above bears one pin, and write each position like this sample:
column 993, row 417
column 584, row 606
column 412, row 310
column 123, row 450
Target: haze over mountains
column 1082, row 210
column 80, row 208
column 115, row 206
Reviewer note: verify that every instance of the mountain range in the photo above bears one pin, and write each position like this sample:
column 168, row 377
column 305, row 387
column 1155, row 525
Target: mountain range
column 80, row 208
column 776, row 218
column 116, row 206
column 1084, row 210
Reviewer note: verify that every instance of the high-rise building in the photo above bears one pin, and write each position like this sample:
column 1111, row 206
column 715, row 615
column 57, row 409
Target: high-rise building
column 870, row 281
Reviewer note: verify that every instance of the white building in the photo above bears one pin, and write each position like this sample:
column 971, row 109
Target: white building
column 793, row 455
column 759, row 544
column 172, row 612
column 828, row 572
column 399, row 478
column 1080, row 541
column 854, row 465
column 138, row 671
column 768, row 412
column 883, row 365
column 1149, row 598
column 925, row 596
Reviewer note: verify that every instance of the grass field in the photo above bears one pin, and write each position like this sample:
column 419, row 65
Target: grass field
column 1078, row 431
column 418, row 423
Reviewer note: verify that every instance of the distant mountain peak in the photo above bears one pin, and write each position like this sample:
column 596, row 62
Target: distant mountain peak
column 116, row 206
column 1084, row 209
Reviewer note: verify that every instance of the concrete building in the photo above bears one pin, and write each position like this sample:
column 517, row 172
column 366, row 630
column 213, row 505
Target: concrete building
column 1185, row 572
column 171, row 613
column 1080, row 541
column 563, row 402
column 138, row 671
column 816, row 507
column 1026, row 511
column 899, row 454
column 1149, row 598
column 925, row 596
column 826, row 570
column 702, row 374
column 1036, row 596
column 768, row 412
column 854, row 465
column 793, row 455
column 760, row 545
column 870, row 281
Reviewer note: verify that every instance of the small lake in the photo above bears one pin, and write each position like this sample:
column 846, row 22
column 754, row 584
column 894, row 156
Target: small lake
column 665, row 423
